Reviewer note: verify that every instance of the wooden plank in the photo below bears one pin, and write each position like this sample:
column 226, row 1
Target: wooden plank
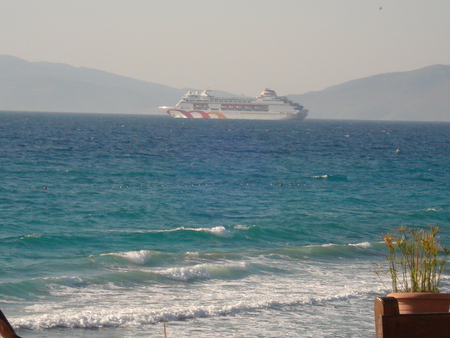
column 429, row 325
column 384, row 306
column 390, row 324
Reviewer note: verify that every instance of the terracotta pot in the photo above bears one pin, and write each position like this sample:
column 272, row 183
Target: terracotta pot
column 421, row 302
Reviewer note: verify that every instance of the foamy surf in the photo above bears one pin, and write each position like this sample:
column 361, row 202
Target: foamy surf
column 90, row 317
column 206, row 271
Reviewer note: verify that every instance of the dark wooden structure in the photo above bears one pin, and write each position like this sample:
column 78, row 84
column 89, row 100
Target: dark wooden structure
column 390, row 324
column 6, row 330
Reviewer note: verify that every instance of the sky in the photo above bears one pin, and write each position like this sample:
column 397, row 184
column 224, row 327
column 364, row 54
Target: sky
column 239, row 46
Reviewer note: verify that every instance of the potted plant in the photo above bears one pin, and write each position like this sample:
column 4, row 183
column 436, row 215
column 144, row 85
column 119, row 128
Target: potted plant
column 416, row 262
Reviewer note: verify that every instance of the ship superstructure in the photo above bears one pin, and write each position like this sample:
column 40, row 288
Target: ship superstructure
column 267, row 106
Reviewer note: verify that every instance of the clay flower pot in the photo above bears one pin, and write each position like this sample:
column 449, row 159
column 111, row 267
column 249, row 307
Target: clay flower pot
column 422, row 302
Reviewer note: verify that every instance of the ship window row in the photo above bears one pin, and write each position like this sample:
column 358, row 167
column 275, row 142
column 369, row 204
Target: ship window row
column 231, row 107
column 201, row 106
column 231, row 101
column 249, row 107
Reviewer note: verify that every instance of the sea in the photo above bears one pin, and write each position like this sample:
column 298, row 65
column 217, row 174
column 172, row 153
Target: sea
column 147, row 226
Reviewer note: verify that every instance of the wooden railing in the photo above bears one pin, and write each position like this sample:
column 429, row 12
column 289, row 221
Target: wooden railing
column 390, row 324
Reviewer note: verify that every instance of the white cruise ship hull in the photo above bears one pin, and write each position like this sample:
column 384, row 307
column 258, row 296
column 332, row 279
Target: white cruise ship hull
column 267, row 106
column 178, row 113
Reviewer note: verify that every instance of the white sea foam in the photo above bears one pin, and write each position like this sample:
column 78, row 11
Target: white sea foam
column 33, row 236
column 363, row 245
column 306, row 291
column 219, row 231
column 320, row 176
column 203, row 271
column 323, row 245
column 433, row 209
column 118, row 315
column 135, row 257
column 243, row 227
column 191, row 254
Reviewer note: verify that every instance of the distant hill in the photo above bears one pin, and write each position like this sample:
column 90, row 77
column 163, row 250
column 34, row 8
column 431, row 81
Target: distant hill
column 44, row 86
column 419, row 95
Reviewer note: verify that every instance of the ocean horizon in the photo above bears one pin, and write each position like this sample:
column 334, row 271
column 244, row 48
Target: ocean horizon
column 116, row 225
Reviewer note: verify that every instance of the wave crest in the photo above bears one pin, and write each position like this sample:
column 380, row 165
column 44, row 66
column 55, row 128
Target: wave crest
column 135, row 257
column 206, row 271
column 218, row 231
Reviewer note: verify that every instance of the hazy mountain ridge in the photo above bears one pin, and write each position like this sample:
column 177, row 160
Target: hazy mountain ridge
column 44, row 86
column 419, row 95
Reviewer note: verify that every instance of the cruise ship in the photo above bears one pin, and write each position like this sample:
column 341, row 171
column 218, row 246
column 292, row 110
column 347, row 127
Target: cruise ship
column 267, row 106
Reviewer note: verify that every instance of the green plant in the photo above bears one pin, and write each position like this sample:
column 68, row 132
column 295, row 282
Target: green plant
column 416, row 259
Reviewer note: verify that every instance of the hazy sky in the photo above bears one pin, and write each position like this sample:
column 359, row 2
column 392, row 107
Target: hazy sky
column 240, row 46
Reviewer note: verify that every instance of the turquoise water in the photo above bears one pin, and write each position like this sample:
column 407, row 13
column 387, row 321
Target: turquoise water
column 113, row 224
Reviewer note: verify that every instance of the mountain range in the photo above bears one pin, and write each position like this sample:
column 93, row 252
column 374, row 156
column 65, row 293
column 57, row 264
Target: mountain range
column 418, row 95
